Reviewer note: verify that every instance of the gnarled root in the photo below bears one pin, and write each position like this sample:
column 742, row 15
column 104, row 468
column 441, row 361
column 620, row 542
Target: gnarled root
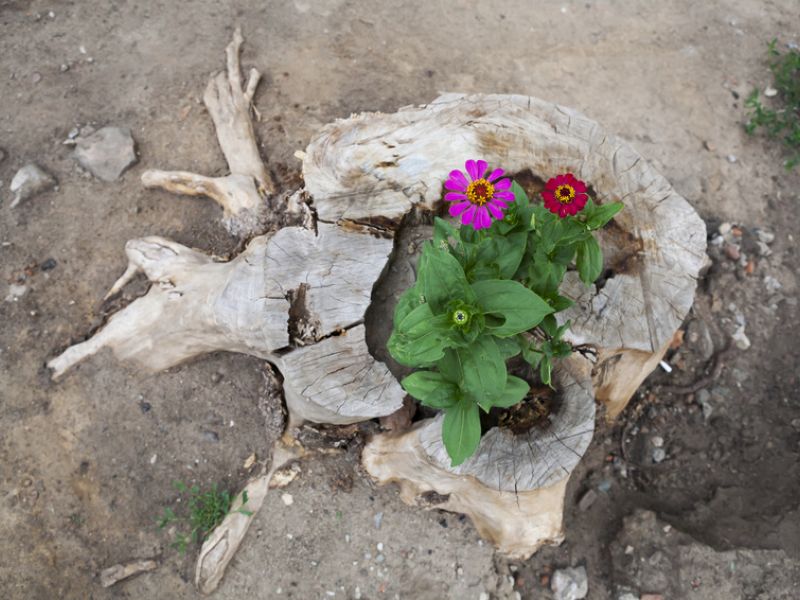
column 242, row 194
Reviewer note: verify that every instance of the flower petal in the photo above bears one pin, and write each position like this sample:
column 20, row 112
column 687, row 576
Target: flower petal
column 453, row 196
column 458, row 181
column 503, row 184
column 482, row 166
column 562, row 212
column 505, row 196
column 548, row 195
column 579, row 186
column 496, row 174
column 458, row 208
column 482, row 219
column 580, row 201
column 498, row 203
column 495, row 210
column 472, row 169
column 469, row 215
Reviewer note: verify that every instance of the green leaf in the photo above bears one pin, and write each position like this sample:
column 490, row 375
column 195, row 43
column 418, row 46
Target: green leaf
column 519, row 308
column 515, row 391
column 461, row 430
column 420, row 338
column 442, row 278
column 431, row 388
column 602, row 214
column 589, row 260
column 484, row 370
column 520, row 197
column 410, row 300
column 546, row 370
column 509, row 347
column 499, row 257
column 450, row 367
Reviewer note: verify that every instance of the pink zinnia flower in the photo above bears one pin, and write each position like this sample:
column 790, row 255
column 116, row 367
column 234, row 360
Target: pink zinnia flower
column 478, row 198
column 564, row 195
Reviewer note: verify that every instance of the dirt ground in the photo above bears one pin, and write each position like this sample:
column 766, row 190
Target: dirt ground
column 86, row 464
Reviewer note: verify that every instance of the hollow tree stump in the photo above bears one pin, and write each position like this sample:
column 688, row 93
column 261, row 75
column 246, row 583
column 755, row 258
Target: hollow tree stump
column 298, row 294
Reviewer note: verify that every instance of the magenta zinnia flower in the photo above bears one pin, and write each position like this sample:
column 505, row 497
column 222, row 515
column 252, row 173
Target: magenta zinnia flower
column 478, row 198
column 565, row 195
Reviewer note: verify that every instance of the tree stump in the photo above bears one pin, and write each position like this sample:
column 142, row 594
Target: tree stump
column 298, row 294
column 513, row 486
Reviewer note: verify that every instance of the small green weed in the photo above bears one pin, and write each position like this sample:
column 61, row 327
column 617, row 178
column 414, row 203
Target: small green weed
column 782, row 122
column 206, row 510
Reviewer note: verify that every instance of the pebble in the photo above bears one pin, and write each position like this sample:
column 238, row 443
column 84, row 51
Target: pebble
column 657, row 441
column 732, row 251
column 210, row 436
column 659, row 454
column 740, row 338
column 64, row 68
column 796, row 424
column 771, row 284
column 153, row 459
column 765, row 236
column 357, row 593
column 379, row 546
column 587, row 500
column 48, row 265
column 29, row 181
column 651, row 597
column 36, row 77
column 732, row 158
column 484, row 596
column 770, row 92
column 570, row 584
column 15, row 292
column 106, row 153
column 287, row 499
column 627, row 596
column 724, row 228
column 216, row 377
column 604, row 486
column 378, row 519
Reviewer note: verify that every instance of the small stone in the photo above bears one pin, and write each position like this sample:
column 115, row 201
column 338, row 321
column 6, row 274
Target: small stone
column 770, row 92
column 29, row 181
column 48, row 265
column 64, row 68
column 570, row 584
column 627, row 596
column 740, row 338
column 651, row 597
column 15, row 292
column 765, row 236
column 378, row 519
column 771, row 284
column 357, row 593
column 709, row 146
column 380, row 558
column 796, row 424
column 287, row 499
column 731, row 158
column 629, row 549
column 483, row 596
column 153, row 459
column 379, row 546
column 216, row 377
column 106, row 153
column 724, row 228
column 36, row 77
column 144, row 407
column 249, row 461
column 604, row 486
column 587, row 500
column 659, row 454
column 763, row 248
column 732, row 252
column 210, row 436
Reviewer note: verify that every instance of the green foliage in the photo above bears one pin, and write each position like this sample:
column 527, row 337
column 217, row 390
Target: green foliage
column 205, row 510
column 477, row 298
column 780, row 122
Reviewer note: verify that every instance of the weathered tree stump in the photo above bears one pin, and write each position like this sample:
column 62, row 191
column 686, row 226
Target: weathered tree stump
column 513, row 486
column 297, row 295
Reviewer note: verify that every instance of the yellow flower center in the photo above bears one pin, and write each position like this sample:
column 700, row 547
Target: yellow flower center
column 480, row 191
column 565, row 194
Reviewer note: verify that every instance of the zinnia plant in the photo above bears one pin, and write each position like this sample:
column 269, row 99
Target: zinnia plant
column 483, row 288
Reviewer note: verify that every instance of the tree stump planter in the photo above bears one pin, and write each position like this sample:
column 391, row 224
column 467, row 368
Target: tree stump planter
column 298, row 294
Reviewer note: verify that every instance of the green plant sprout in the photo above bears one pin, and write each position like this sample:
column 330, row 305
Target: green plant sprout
column 780, row 122
column 206, row 510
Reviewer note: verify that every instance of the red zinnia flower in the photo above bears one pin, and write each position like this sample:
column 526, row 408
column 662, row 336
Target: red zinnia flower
column 565, row 195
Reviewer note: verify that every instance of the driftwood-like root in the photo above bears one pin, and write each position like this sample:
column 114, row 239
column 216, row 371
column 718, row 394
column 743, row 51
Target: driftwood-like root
column 242, row 194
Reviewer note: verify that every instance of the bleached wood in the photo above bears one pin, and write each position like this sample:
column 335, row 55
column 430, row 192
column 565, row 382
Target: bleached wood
column 242, row 194
column 655, row 247
column 513, row 486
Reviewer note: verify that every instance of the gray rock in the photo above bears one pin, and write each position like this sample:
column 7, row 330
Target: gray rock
column 570, row 584
column 740, row 338
column 659, row 455
column 587, row 500
column 765, row 236
column 700, row 338
column 29, row 181
column 107, row 153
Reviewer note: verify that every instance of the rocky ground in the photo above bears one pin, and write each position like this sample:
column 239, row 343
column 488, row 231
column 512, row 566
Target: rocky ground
column 693, row 493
